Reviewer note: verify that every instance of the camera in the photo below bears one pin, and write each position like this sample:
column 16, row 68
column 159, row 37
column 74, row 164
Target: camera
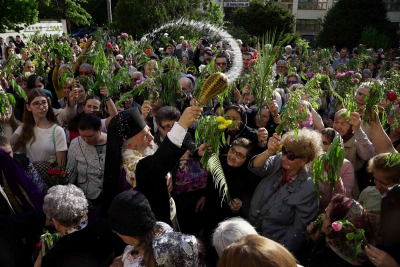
column 206, row 41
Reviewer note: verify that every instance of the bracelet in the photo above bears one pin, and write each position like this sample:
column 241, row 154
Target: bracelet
column 108, row 98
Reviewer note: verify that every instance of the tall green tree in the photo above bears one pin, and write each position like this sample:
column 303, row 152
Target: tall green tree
column 138, row 17
column 260, row 17
column 14, row 13
column 344, row 23
column 213, row 14
column 65, row 9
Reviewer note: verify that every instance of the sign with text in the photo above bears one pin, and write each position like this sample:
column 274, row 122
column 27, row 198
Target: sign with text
column 236, row 4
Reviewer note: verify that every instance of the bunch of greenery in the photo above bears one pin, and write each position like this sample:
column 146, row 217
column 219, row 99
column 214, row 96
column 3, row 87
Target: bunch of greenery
column 331, row 162
column 261, row 78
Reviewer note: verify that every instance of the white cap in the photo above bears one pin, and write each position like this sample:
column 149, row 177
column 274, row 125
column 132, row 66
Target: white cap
column 288, row 47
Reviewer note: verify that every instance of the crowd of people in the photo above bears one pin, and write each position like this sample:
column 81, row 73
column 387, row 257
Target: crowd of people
column 118, row 176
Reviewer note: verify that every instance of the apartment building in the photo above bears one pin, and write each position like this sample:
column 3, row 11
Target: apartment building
column 307, row 11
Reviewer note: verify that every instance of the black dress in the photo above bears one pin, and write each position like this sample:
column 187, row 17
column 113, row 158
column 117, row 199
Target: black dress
column 92, row 246
column 241, row 185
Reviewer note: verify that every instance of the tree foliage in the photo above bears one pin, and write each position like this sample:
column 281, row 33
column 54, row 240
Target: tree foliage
column 375, row 39
column 65, row 9
column 260, row 17
column 13, row 13
column 344, row 23
column 214, row 14
column 137, row 17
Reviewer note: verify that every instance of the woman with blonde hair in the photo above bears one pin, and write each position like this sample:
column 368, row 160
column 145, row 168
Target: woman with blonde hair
column 285, row 201
column 256, row 251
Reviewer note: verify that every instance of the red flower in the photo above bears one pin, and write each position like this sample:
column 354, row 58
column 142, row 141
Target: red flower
column 63, row 174
column 148, row 51
column 51, row 171
column 109, row 46
column 255, row 73
column 39, row 245
column 57, row 171
column 392, row 96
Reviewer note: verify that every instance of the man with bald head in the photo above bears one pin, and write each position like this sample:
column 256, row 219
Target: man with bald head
column 184, row 93
column 184, row 51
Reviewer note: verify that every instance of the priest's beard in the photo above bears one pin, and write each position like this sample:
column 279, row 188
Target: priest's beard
column 149, row 150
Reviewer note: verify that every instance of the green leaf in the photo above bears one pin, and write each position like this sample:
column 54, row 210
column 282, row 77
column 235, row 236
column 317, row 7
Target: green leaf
column 219, row 177
column 350, row 236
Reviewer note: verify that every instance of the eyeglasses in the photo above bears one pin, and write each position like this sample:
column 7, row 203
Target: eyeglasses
column 239, row 155
column 289, row 155
column 166, row 127
column 220, row 64
column 291, row 82
column 118, row 59
column 38, row 104
column 84, row 73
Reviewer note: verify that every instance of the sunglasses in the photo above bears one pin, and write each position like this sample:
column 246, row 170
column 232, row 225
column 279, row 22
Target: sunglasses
column 291, row 82
column 289, row 155
column 238, row 154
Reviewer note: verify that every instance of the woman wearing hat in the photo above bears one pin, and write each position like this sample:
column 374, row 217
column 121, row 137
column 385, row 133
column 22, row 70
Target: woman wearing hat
column 151, row 243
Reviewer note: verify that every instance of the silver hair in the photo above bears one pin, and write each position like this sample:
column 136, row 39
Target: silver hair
column 230, row 231
column 364, row 85
column 63, row 66
column 65, row 203
column 137, row 72
column 281, row 62
column 86, row 65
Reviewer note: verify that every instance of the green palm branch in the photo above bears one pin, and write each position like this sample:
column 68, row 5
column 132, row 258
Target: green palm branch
column 219, row 178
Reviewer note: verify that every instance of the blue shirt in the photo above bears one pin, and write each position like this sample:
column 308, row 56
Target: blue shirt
column 338, row 61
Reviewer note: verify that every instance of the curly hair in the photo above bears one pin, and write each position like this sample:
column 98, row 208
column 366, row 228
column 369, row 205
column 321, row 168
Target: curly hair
column 65, row 203
column 308, row 144
column 380, row 163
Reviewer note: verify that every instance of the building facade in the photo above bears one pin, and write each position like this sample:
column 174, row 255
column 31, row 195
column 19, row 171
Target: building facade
column 308, row 12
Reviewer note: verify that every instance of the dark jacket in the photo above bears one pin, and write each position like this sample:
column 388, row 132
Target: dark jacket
column 150, row 177
column 92, row 246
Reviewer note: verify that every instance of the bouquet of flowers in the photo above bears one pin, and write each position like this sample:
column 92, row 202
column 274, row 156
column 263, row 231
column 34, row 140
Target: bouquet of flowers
column 331, row 162
column 211, row 130
column 356, row 237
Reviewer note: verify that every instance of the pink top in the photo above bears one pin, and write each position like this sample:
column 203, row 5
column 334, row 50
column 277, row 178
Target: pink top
column 344, row 186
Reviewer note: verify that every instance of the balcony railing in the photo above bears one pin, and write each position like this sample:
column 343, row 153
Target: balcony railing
column 312, row 6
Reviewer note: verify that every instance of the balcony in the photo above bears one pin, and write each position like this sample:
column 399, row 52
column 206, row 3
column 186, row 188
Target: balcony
column 312, row 6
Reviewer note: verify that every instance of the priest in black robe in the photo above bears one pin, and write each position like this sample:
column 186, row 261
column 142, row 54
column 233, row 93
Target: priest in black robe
column 131, row 164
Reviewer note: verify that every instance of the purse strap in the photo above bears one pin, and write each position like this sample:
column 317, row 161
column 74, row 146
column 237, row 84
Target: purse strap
column 54, row 139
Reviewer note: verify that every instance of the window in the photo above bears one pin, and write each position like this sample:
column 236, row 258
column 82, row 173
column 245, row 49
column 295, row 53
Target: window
column 393, row 5
column 313, row 4
column 309, row 25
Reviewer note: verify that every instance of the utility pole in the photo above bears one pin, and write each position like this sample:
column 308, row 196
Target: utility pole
column 109, row 12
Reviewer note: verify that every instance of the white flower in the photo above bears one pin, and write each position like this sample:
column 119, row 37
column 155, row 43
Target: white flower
column 268, row 46
column 143, row 40
column 201, row 68
column 166, row 34
column 181, row 37
column 160, row 49
column 239, row 41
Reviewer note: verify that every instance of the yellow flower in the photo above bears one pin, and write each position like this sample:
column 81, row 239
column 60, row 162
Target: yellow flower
column 303, row 68
column 220, row 119
column 48, row 69
column 228, row 122
column 43, row 63
column 221, row 126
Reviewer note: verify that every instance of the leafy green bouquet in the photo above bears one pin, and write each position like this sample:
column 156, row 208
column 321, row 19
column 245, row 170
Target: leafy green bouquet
column 211, row 131
column 331, row 162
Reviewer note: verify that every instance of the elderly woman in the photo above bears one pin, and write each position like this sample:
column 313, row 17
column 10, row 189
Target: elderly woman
column 345, row 182
column 230, row 231
column 285, row 201
column 332, row 248
column 356, row 143
column 241, row 184
column 81, row 244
